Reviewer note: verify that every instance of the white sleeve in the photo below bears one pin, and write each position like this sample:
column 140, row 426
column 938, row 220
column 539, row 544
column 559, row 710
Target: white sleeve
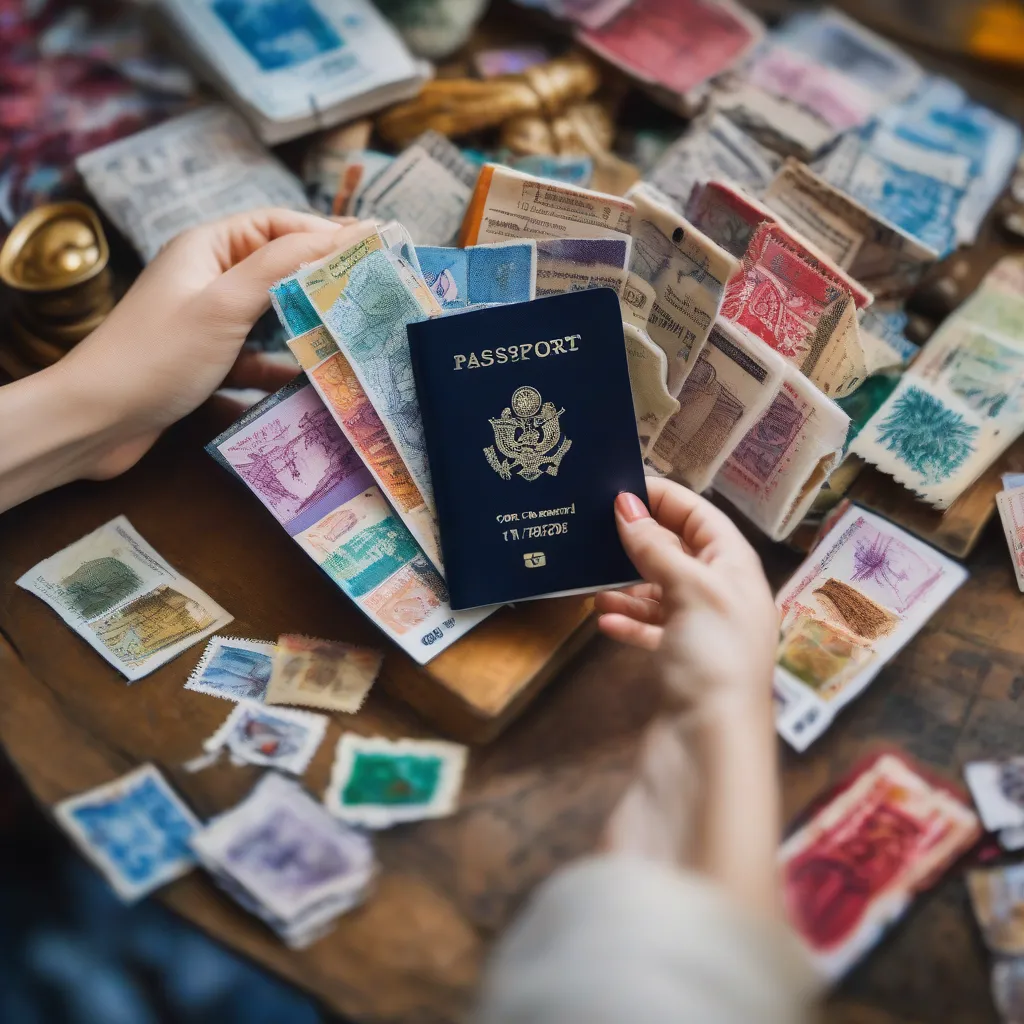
column 622, row 940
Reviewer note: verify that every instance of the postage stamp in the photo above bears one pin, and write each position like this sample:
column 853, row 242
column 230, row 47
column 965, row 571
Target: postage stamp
column 285, row 851
column 234, row 669
column 136, row 830
column 377, row 783
column 124, row 600
column 998, row 791
column 322, row 673
column 275, row 737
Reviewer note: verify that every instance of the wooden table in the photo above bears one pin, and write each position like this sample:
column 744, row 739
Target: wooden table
column 534, row 799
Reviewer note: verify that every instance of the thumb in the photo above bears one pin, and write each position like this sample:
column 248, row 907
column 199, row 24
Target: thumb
column 656, row 551
column 246, row 285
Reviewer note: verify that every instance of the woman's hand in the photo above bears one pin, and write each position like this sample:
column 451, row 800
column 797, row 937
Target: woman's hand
column 706, row 607
column 173, row 340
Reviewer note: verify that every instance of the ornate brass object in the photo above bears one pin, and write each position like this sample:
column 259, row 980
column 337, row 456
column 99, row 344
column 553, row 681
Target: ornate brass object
column 55, row 264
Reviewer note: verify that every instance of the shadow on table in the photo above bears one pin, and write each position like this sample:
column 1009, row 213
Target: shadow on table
column 72, row 953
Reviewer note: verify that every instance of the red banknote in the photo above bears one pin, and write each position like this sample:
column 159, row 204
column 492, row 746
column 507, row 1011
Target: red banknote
column 854, row 867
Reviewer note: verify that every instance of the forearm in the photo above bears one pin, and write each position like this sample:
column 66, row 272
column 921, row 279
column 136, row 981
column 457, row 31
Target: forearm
column 51, row 432
column 706, row 797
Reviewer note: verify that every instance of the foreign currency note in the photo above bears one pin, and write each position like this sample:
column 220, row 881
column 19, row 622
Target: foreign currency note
column 187, row 171
column 124, row 600
column 648, row 373
column 855, row 867
column 713, row 148
column 496, row 273
column 686, row 274
column 961, row 403
column 881, row 256
column 777, row 469
column 861, row 596
column 507, row 204
column 801, row 308
column 365, row 302
column 1011, row 515
column 575, row 264
column 941, row 118
column 338, row 386
column 292, row 455
column 676, row 47
column 299, row 66
column 734, row 378
column 426, row 188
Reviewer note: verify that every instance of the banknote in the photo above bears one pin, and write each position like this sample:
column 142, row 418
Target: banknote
column 856, row 865
column 777, row 469
column 124, row 600
column 322, row 673
column 713, row 148
column 426, row 188
column 189, row 170
column 997, row 788
column 648, row 375
column 338, row 386
column 572, row 168
column 960, row 404
column 508, row 204
column 575, row 264
column 280, row 738
column 685, row 273
column 942, row 120
column 1011, row 515
column 377, row 782
column 285, row 859
column 800, row 307
column 292, row 455
column 500, row 272
column 879, row 255
column 676, row 47
column 917, row 187
column 730, row 217
column 136, row 830
column 997, row 896
column 734, row 378
column 365, row 300
column 861, row 595
column 300, row 66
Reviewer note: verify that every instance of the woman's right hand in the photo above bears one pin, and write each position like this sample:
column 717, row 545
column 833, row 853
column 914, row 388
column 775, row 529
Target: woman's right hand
column 705, row 606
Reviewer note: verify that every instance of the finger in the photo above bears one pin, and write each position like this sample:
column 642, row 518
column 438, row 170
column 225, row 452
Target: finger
column 655, row 551
column 637, row 608
column 650, row 591
column 698, row 523
column 261, row 371
column 238, row 236
column 244, row 288
column 628, row 631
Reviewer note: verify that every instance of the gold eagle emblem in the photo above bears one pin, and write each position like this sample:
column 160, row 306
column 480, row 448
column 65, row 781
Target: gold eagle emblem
column 529, row 435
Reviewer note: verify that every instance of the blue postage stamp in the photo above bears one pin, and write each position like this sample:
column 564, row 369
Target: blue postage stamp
column 480, row 274
column 136, row 830
column 378, row 782
column 278, row 34
column 234, row 669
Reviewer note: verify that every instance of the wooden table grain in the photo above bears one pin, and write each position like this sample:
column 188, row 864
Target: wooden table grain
column 534, row 798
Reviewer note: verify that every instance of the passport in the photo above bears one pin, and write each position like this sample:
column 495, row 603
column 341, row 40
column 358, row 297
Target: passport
column 530, row 434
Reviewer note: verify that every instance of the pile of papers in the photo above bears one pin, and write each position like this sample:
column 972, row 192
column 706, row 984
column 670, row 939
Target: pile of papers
column 295, row 68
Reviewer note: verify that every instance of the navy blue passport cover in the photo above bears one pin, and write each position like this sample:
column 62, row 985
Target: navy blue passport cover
column 530, row 434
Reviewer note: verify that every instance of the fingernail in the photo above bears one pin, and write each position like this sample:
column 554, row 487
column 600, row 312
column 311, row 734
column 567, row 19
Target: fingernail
column 630, row 507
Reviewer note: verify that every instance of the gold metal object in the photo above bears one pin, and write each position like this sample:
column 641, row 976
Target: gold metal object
column 55, row 265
